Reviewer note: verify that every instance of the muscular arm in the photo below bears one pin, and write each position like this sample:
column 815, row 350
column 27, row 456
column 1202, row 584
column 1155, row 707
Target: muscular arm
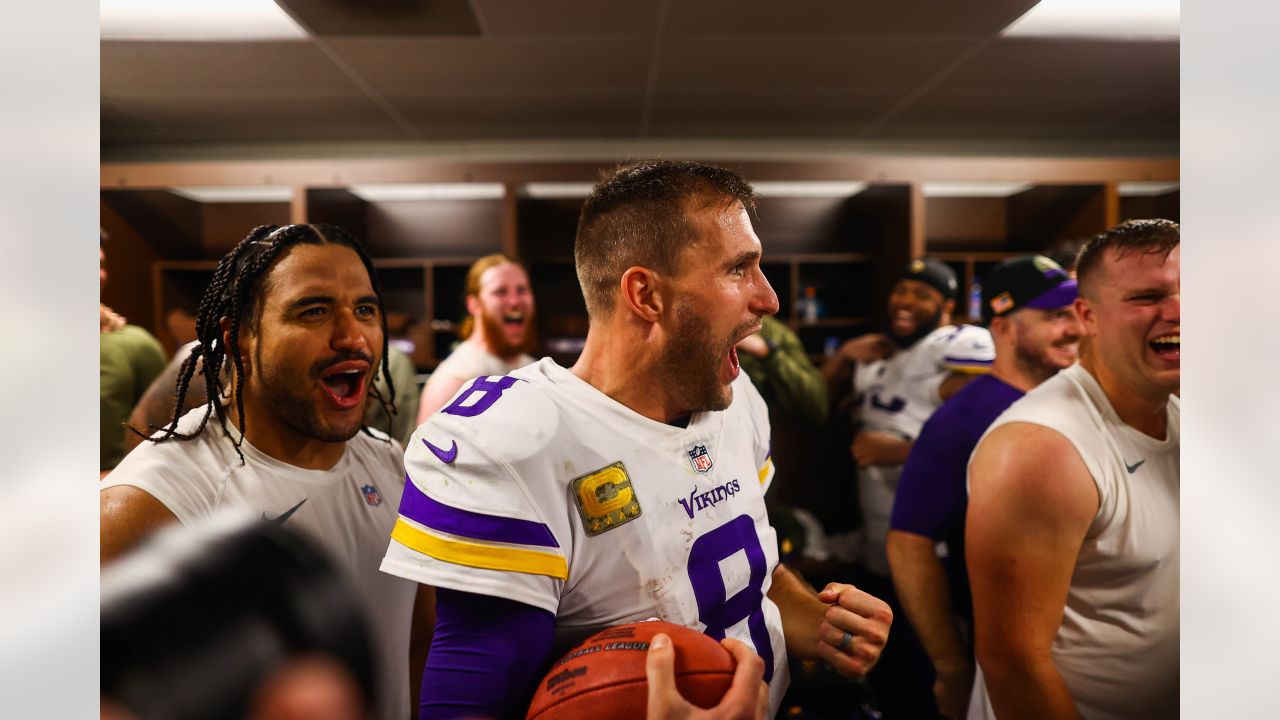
column 127, row 515
column 436, row 393
column 795, row 384
column 813, row 624
column 1023, row 533
column 922, row 587
column 877, row 448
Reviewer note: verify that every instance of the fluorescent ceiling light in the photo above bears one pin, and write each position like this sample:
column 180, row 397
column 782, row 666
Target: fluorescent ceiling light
column 1131, row 189
column 1116, row 19
column 980, row 188
column 406, row 192
column 557, row 190
column 817, row 189
column 196, row 20
column 247, row 194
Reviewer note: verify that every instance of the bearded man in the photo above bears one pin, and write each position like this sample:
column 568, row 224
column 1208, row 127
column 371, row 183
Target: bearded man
column 497, row 335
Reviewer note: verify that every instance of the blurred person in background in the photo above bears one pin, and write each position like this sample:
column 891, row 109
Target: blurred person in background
column 899, row 379
column 497, row 335
column 129, row 358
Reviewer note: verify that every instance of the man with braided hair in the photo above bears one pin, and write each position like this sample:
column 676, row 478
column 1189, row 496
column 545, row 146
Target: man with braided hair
column 291, row 333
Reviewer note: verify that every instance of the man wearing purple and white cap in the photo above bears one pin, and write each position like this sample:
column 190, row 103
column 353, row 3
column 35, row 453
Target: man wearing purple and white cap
column 1027, row 302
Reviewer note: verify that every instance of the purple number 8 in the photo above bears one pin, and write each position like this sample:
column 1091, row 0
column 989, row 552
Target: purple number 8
column 490, row 391
column 715, row 610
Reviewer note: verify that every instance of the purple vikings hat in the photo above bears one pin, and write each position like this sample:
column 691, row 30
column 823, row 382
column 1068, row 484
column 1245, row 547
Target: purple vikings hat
column 1026, row 281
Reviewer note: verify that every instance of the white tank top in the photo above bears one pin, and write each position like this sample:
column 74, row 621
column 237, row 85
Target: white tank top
column 1117, row 648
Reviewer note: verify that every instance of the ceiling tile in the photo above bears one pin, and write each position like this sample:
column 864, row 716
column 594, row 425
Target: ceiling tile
column 737, row 62
column 764, row 109
column 514, row 109
column 567, row 17
column 156, row 69
column 387, row 18
column 844, row 17
column 285, row 119
column 1017, row 106
column 1037, row 63
column 405, row 67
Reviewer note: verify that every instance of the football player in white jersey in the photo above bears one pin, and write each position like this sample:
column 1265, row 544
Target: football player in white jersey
column 550, row 503
column 900, row 378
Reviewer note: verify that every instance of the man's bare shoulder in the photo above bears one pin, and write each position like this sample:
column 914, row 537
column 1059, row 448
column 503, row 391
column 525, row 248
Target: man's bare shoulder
column 127, row 515
column 1025, row 467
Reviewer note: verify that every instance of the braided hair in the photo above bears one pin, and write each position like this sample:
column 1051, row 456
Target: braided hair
column 234, row 294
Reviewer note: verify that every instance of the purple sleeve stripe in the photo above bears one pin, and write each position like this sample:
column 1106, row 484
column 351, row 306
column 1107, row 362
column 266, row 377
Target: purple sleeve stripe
column 416, row 506
column 965, row 361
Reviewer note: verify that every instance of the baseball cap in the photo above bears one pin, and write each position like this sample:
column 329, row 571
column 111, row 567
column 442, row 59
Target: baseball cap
column 933, row 273
column 1026, row 281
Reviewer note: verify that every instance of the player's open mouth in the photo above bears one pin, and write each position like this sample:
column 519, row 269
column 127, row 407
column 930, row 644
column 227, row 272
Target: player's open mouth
column 902, row 321
column 1167, row 347
column 514, row 320
column 344, row 383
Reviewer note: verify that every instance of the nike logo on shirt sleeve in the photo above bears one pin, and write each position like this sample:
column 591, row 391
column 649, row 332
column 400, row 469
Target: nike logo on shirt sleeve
column 1134, row 467
column 446, row 456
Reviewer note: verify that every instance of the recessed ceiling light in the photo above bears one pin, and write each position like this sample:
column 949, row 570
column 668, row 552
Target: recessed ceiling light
column 557, row 190
column 406, row 192
column 979, row 188
column 227, row 194
column 816, row 189
column 1131, row 189
column 1114, row 19
column 196, row 20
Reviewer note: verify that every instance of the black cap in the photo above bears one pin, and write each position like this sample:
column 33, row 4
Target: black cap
column 1025, row 281
column 933, row 273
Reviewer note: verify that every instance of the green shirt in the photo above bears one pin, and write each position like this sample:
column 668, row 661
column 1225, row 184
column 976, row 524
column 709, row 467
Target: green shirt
column 789, row 382
column 129, row 359
column 400, row 427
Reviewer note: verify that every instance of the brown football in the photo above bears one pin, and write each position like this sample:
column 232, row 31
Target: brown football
column 604, row 676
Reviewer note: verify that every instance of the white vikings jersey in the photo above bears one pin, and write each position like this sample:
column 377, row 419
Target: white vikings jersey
column 539, row 488
column 897, row 396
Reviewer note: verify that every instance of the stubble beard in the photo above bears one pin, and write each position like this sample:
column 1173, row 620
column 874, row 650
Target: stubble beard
column 691, row 361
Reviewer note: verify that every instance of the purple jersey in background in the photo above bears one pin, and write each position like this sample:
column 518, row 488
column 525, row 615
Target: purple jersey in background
column 932, row 494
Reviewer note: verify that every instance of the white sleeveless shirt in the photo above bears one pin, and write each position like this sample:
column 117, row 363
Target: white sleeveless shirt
column 1117, row 648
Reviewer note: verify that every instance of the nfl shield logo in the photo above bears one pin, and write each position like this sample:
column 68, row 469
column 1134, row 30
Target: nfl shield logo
column 371, row 495
column 700, row 458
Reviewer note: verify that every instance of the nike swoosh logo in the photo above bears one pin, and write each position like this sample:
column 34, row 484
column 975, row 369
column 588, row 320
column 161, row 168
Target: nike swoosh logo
column 1133, row 468
column 284, row 515
column 446, row 456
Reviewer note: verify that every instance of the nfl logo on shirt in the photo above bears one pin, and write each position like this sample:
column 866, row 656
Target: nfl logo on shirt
column 371, row 495
column 700, row 458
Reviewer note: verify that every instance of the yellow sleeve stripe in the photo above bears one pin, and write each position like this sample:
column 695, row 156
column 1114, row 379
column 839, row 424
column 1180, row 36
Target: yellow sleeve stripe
column 969, row 369
column 764, row 471
column 488, row 557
